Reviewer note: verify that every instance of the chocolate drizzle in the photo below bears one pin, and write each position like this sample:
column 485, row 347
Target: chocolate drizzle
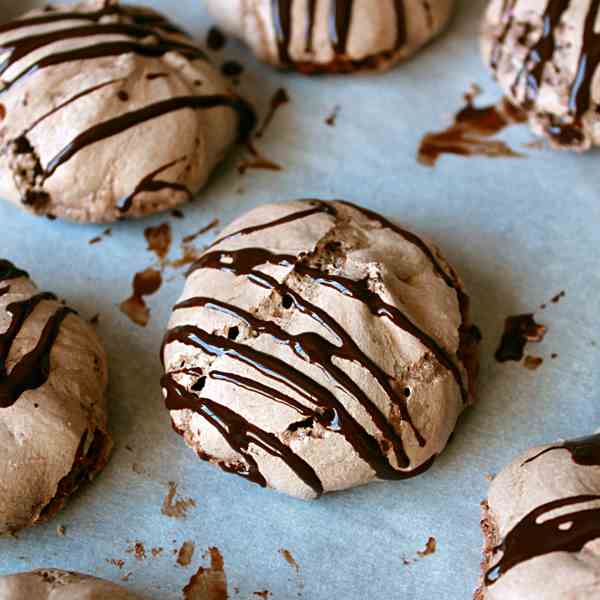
column 131, row 119
column 9, row 271
column 535, row 536
column 339, row 25
column 240, row 434
column 150, row 184
column 542, row 51
column 33, row 369
column 584, row 452
column 311, row 347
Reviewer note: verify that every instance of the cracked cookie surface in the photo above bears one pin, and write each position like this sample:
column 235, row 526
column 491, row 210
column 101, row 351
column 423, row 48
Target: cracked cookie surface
column 316, row 347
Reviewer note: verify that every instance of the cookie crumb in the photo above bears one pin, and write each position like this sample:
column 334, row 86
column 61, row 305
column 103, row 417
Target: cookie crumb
column 176, row 509
column 430, row 548
column 185, row 554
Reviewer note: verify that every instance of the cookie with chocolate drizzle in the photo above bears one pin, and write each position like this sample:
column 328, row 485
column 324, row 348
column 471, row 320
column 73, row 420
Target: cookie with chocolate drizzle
column 109, row 112
column 541, row 524
column 546, row 58
column 53, row 420
column 333, row 36
column 317, row 346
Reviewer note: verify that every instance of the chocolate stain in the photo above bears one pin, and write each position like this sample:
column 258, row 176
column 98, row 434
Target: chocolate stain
column 185, row 554
column 265, row 594
column 190, row 238
column 209, row 583
column 176, row 509
column 472, row 132
column 177, row 214
column 279, row 99
column 159, row 240
column 518, row 331
column 189, row 255
column 257, row 162
column 430, row 548
column 145, row 283
column 116, row 562
column 290, row 560
column 137, row 550
column 533, row 363
column 331, row 120
column 106, row 233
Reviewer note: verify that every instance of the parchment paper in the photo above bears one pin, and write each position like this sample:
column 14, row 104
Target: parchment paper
column 518, row 230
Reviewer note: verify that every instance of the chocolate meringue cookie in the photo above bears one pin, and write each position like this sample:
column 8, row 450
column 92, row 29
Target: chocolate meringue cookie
column 52, row 584
column 53, row 378
column 107, row 112
column 542, row 525
column 317, row 347
column 333, row 36
column 545, row 57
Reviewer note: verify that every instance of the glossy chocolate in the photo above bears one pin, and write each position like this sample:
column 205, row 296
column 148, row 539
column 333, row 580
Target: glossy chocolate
column 536, row 535
column 33, row 369
column 339, row 25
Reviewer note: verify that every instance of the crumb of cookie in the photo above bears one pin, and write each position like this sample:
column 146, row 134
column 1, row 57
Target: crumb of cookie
column 533, row 362
column 208, row 582
column 430, row 548
column 186, row 553
column 116, row 562
column 176, row 509
column 61, row 531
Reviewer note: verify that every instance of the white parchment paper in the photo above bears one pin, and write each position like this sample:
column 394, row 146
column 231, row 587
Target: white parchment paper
column 518, row 230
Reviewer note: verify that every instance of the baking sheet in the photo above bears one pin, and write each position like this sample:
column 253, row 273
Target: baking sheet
column 518, row 230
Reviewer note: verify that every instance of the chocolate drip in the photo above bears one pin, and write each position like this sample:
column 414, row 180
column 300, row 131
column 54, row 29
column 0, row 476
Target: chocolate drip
column 282, row 21
column 150, row 184
column 401, row 32
column 66, row 103
column 33, row 369
column 541, row 52
column 507, row 18
column 310, row 26
column 9, row 271
column 322, row 207
column 239, row 434
column 584, row 451
column 131, row 119
column 535, row 536
column 581, row 92
column 339, row 24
